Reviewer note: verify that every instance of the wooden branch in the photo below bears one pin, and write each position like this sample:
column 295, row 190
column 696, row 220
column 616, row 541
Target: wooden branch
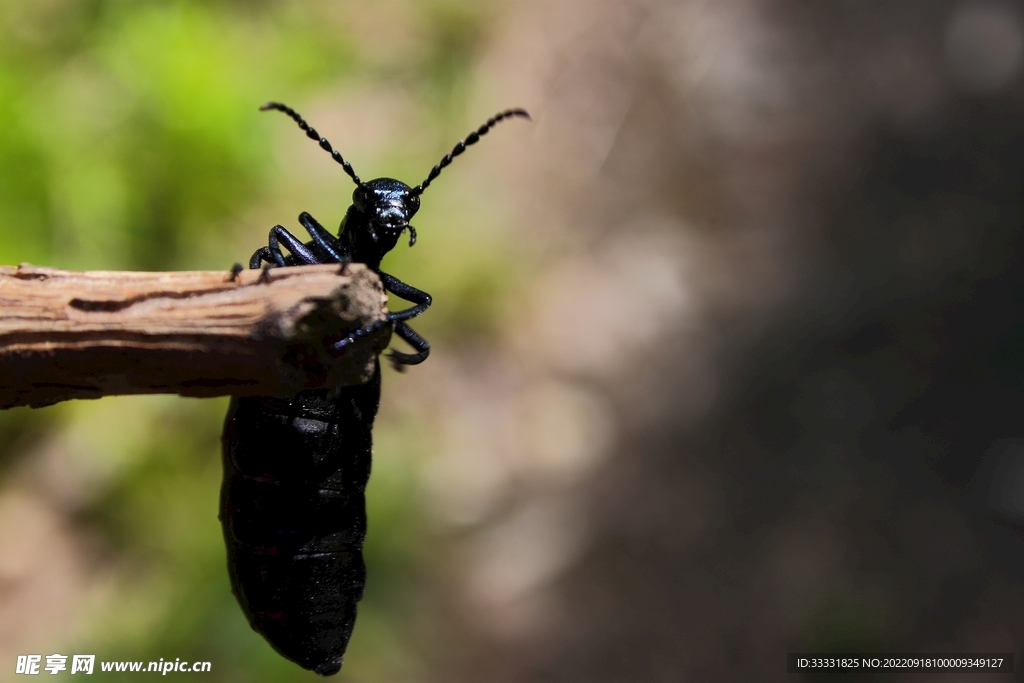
column 67, row 334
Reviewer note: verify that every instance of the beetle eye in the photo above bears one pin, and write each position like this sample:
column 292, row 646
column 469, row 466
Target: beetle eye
column 412, row 202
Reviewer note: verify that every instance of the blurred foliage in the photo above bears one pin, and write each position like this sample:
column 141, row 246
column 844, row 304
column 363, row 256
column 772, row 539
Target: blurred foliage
column 131, row 140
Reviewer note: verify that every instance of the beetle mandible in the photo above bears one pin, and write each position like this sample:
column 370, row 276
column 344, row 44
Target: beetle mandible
column 292, row 505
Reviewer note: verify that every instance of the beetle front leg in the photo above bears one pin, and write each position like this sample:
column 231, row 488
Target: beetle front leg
column 422, row 301
column 259, row 256
column 272, row 253
column 398, row 359
column 323, row 239
column 300, row 251
column 409, row 293
column 359, row 334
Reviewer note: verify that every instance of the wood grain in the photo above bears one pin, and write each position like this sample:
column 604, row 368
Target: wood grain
column 67, row 334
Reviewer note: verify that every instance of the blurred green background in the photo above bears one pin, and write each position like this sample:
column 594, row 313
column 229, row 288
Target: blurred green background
column 130, row 139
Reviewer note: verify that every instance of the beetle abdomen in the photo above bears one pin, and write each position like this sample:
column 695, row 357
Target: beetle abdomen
column 294, row 516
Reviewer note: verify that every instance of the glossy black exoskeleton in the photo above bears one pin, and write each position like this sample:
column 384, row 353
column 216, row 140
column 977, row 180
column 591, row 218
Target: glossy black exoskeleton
column 292, row 504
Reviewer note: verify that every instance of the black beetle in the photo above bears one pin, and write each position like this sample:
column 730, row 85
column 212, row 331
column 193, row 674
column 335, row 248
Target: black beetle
column 292, row 505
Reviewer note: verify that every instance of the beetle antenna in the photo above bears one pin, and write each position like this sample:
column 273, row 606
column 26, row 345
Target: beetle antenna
column 313, row 135
column 461, row 147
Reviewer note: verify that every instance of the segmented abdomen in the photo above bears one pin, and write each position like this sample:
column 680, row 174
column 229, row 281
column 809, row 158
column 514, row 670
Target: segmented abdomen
column 294, row 516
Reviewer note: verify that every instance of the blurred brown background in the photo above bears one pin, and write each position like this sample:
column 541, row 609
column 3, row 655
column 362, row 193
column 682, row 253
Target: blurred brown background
column 727, row 343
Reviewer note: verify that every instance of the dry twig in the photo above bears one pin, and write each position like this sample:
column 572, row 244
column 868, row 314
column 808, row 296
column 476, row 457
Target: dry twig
column 67, row 334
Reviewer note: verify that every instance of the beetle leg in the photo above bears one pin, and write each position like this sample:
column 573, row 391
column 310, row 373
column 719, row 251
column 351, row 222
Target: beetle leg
column 272, row 253
column 398, row 359
column 325, row 240
column 361, row 332
column 299, row 250
column 260, row 255
column 409, row 293
column 422, row 301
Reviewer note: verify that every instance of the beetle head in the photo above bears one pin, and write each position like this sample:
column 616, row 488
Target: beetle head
column 388, row 206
